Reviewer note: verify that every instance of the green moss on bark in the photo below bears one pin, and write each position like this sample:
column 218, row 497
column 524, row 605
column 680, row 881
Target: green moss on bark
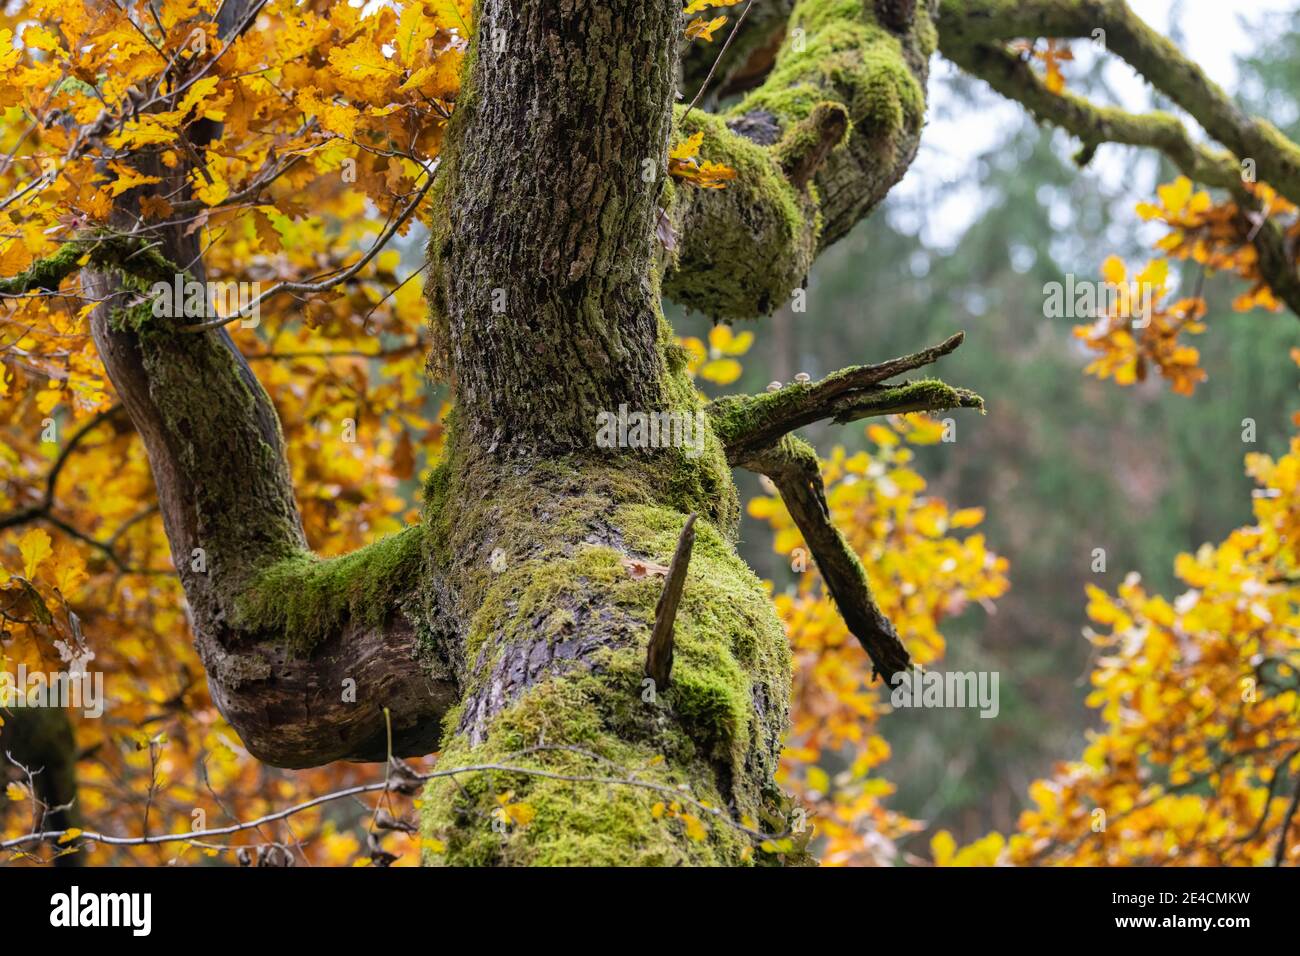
column 548, row 558
column 733, row 273
column 306, row 598
column 575, row 822
column 129, row 256
column 834, row 50
column 716, row 729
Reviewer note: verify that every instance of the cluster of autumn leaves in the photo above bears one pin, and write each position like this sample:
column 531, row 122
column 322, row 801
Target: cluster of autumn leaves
column 1211, row 237
column 332, row 118
column 700, row 28
column 1198, row 751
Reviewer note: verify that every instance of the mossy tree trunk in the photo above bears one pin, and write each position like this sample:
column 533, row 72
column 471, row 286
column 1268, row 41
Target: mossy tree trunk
column 511, row 626
column 545, row 288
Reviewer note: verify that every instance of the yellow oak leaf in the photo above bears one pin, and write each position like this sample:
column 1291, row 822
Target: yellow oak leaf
column 701, row 29
column 34, row 546
column 128, row 178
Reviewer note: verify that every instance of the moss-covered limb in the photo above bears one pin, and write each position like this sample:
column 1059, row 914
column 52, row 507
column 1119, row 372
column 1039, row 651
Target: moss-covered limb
column 302, row 656
column 336, row 659
column 132, row 256
column 213, row 438
column 831, row 128
column 750, row 424
column 306, row 598
column 793, row 467
column 839, row 51
column 215, row 446
column 45, row 275
column 1014, row 78
column 805, row 147
column 756, row 431
column 744, row 250
column 547, row 560
column 964, row 23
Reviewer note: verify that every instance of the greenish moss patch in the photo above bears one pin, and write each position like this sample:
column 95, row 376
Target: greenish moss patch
column 307, row 598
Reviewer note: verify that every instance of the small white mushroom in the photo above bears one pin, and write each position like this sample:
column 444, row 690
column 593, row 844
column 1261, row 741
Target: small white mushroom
column 803, row 378
column 774, row 386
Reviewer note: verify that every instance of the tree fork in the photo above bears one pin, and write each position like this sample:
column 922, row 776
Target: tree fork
column 217, row 455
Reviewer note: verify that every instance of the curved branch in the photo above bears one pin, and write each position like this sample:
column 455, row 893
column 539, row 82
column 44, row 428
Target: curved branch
column 302, row 655
column 1013, row 77
column 964, row 23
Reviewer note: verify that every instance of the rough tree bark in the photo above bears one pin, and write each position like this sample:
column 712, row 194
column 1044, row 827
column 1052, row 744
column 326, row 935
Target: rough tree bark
column 544, row 204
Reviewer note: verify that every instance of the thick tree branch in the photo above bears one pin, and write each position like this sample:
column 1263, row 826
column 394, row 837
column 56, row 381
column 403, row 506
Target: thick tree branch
column 1014, row 78
column 302, row 655
column 964, row 23
column 793, row 467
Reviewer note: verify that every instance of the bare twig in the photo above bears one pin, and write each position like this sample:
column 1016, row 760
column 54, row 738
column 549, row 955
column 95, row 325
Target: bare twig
column 326, row 284
column 721, row 53
column 398, row 782
column 659, row 656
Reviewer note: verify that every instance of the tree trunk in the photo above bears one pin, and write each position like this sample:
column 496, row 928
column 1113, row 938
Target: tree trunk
column 546, row 205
